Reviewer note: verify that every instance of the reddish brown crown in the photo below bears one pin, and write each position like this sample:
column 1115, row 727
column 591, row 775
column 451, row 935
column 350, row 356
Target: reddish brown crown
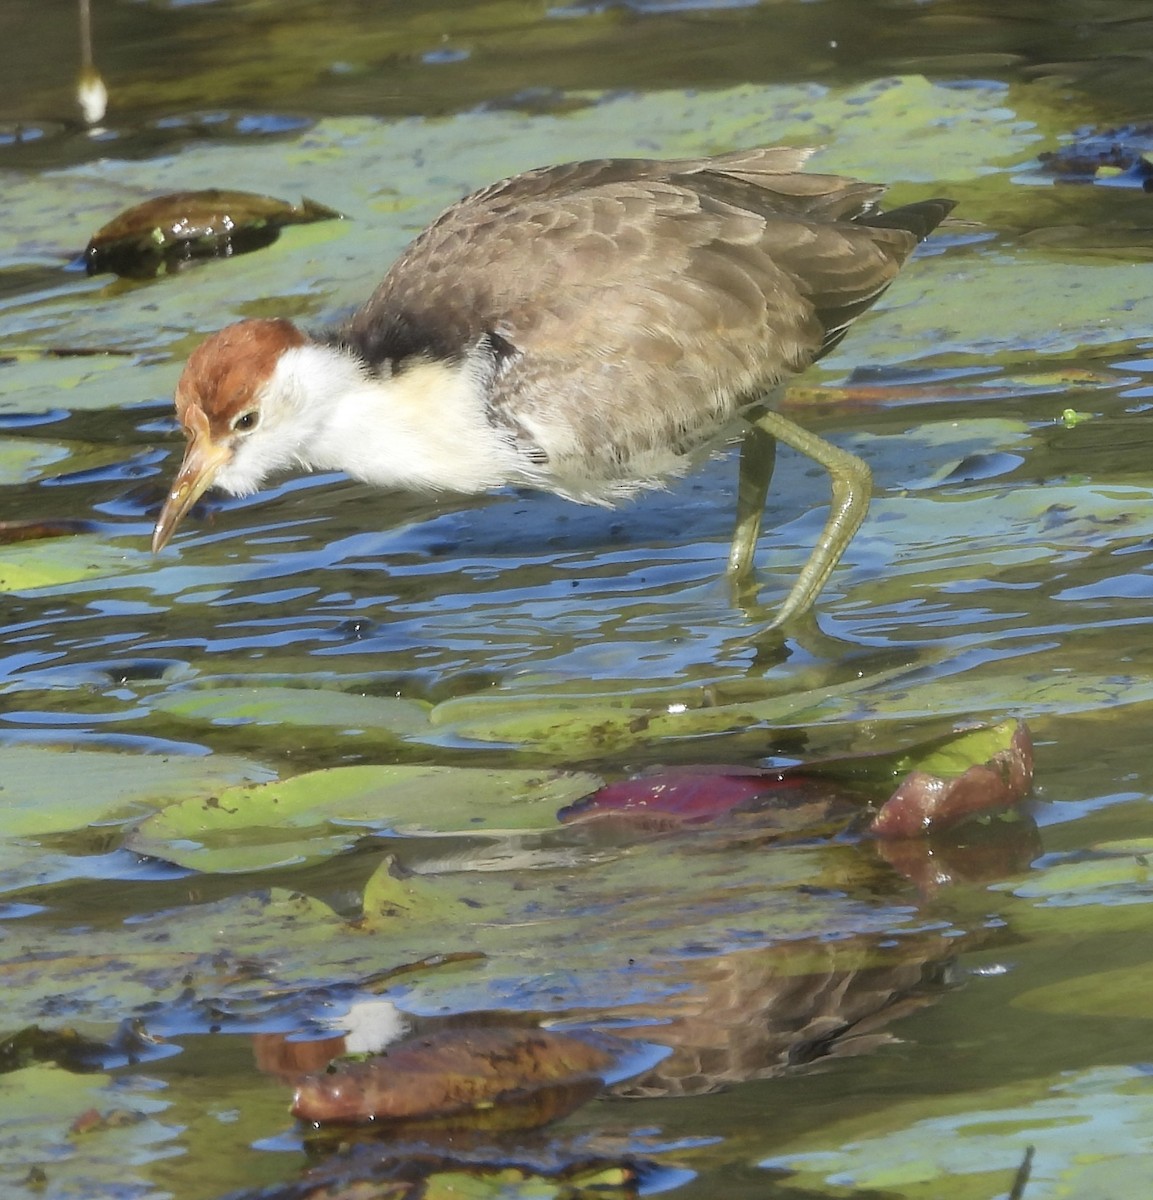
column 226, row 370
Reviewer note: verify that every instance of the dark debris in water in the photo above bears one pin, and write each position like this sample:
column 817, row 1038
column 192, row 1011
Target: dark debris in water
column 72, row 1051
column 1119, row 157
column 1022, row 1177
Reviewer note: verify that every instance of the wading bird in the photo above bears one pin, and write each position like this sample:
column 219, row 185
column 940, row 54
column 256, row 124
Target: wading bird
column 591, row 329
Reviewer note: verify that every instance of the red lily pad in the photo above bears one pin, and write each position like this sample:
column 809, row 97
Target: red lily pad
column 684, row 796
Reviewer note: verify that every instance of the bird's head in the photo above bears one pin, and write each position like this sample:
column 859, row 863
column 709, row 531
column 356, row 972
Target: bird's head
column 241, row 413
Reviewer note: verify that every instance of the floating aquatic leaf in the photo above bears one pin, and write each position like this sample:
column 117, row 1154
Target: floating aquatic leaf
column 788, row 801
column 685, row 796
column 64, row 1047
column 43, row 1108
column 868, row 129
column 260, row 950
column 320, row 813
column 47, row 789
column 595, row 725
column 938, row 1148
column 393, row 894
column 461, row 1072
column 1121, row 878
column 44, row 564
column 174, row 230
column 464, row 1168
column 22, row 459
column 975, row 385
column 272, row 708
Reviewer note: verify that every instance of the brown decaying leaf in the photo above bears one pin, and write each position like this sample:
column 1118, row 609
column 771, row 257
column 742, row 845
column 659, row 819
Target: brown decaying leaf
column 925, row 803
column 32, row 531
column 458, row 1071
column 173, row 230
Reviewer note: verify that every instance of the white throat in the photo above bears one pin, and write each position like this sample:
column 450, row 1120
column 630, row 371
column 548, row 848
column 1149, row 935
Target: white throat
column 426, row 428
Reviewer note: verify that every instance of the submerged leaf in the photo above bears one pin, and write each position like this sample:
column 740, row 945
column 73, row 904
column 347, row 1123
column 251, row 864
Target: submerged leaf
column 1119, row 994
column 458, row 1071
column 171, row 231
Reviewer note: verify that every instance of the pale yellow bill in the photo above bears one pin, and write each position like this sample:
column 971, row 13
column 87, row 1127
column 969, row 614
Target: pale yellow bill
column 202, row 460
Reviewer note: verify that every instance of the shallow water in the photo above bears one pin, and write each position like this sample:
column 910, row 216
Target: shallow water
column 842, row 1020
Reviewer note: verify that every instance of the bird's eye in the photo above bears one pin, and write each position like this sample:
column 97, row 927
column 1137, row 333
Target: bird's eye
column 247, row 421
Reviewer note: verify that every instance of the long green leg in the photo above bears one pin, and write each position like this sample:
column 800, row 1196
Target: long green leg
column 758, row 456
column 851, row 486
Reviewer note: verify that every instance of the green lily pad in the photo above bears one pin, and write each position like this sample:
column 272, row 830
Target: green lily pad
column 580, row 727
column 655, row 913
column 392, row 894
column 47, row 382
column 30, row 565
column 51, row 790
column 915, row 328
column 1123, row 879
column 102, row 975
column 38, row 1108
column 1091, row 1132
column 375, row 718
column 957, row 754
column 516, row 1183
column 1082, row 897
column 22, row 459
column 320, row 813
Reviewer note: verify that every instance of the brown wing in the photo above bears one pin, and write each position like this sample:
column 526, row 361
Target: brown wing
column 635, row 304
